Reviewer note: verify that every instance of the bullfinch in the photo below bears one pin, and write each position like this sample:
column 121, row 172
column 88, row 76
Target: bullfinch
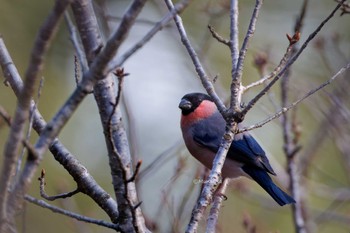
column 202, row 128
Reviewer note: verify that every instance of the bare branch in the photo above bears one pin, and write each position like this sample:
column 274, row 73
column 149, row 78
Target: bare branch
column 76, row 43
column 31, row 120
column 300, row 20
column 86, row 182
column 114, row 131
column 274, row 72
column 120, row 74
column 345, row 8
column 219, row 197
column 97, row 72
column 52, row 198
column 71, row 214
column 291, row 137
column 136, row 172
column 285, row 109
column 213, row 179
column 207, row 84
column 178, row 8
column 236, row 84
column 290, row 61
column 234, row 32
column 4, row 115
column 76, row 70
column 41, row 46
column 217, row 36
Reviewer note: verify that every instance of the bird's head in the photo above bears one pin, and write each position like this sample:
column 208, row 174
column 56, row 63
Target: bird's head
column 195, row 107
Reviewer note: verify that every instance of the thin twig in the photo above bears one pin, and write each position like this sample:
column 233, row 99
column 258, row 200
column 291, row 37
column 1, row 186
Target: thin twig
column 114, row 18
column 136, row 172
column 236, row 85
column 300, row 20
column 76, row 43
column 80, row 174
column 41, row 45
column 52, row 198
column 234, row 33
column 103, row 83
column 76, row 70
column 97, row 72
column 207, row 84
column 6, row 117
column 274, row 72
column 30, row 126
column 70, row 214
column 285, row 109
column 290, row 61
column 120, row 74
column 178, row 8
column 215, row 174
column 219, row 197
column 291, row 137
column 213, row 180
column 217, row 36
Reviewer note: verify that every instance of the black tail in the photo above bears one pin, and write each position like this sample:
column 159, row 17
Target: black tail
column 265, row 181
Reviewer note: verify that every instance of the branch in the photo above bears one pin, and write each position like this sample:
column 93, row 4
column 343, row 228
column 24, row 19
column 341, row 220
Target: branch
column 236, row 85
column 70, row 214
column 178, row 8
column 111, row 119
column 41, row 46
column 213, row 179
column 291, row 139
column 274, row 72
column 290, row 61
column 4, row 115
column 217, row 202
column 136, row 172
column 84, row 180
column 234, row 34
column 97, row 72
column 217, row 36
column 52, row 198
column 207, row 84
column 285, row 109
column 30, row 127
column 76, row 43
column 120, row 74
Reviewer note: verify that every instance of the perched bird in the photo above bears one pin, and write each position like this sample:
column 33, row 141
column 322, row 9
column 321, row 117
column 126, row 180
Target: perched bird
column 202, row 128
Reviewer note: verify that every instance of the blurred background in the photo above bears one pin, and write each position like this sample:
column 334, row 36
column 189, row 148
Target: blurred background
column 160, row 74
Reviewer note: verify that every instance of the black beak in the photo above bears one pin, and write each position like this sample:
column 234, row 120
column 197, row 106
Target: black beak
column 185, row 104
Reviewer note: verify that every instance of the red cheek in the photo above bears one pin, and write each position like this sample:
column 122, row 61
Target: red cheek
column 203, row 111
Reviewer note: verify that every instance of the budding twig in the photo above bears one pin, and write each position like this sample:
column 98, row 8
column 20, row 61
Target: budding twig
column 52, row 198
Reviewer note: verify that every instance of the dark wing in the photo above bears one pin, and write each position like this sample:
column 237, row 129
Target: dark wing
column 245, row 149
column 265, row 181
column 208, row 133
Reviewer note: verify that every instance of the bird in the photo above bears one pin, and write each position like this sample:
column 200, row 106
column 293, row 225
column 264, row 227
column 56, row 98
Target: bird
column 203, row 127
